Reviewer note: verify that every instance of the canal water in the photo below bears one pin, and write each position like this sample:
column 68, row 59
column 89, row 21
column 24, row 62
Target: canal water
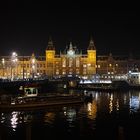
column 110, row 116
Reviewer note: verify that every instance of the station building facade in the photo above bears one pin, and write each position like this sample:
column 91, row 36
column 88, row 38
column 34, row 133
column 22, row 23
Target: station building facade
column 70, row 62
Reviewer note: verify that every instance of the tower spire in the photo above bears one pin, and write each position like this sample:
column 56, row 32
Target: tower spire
column 50, row 45
column 33, row 54
column 91, row 45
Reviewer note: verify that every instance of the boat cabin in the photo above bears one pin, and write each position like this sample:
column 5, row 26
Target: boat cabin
column 31, row 91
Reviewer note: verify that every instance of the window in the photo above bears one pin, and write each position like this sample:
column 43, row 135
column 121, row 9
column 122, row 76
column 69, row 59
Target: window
column 77, row 62
column 63, row 62
column 70, row 62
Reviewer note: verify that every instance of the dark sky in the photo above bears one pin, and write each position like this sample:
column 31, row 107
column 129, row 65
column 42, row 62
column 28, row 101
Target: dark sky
column 26, row 28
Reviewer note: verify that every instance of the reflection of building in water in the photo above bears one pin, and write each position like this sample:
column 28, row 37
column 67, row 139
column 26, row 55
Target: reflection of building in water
column 14, row 120
column 71, row 114
column 92, row 109
column 111, row 104
column 114, row 102
column 2, row 118
column 49, row 117
column 117, row 105
column 28, row 118
column 134, row 103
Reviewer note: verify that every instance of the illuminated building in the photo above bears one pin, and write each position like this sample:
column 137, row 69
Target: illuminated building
column 70, row 62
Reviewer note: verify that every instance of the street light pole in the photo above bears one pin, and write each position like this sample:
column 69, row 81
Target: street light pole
column 13, row 64
column 3, row 63
column 23, row 67
column 33, row 67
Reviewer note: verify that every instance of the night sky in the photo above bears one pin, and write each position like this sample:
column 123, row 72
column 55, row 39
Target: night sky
column 26, row 28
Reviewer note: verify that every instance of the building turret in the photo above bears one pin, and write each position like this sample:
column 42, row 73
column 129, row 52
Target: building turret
column 71, row 51
column 91, row 58
column 91, row 45
column 50, row 45
column 50, row 56
column 50, row 50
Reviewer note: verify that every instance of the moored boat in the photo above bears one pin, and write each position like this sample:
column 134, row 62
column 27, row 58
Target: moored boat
column 41, row 101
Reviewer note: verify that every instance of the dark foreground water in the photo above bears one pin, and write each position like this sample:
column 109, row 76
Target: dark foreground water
column 109, row 116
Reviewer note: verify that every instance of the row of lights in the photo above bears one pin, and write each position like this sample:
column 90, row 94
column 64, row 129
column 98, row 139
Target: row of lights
column 14, row 60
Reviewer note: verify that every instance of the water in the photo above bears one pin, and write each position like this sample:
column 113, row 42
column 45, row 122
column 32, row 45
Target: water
column 109, row 116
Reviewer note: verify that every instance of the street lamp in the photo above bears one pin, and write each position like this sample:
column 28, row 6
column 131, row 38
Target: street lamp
column 14, row 60
column 109, row 70
column 33, row 66
column 3, row 65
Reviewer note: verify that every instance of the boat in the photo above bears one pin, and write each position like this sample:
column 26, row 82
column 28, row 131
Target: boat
column 115, row 85
column 29, row 90
column 32, row 99
column 97, row 87
column 41, row 101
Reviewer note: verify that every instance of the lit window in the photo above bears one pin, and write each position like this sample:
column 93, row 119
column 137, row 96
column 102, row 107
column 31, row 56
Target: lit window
column 64, row 62
column 70, row 72
column 63, row 72
column 57, row 72
column 84, row 65
column 70, row 62
column 77, row 62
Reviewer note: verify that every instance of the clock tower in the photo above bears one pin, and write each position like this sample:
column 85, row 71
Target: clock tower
column 50, row 56
column 91, row 58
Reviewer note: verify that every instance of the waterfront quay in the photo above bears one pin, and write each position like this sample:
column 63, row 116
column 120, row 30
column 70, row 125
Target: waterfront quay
column 45, row 85
column 66, row 83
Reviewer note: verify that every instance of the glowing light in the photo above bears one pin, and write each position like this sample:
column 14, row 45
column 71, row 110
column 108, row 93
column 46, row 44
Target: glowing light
column 14, row 120
column 116, row 65
column 33, row 61
column 2, row 118
column 134, row 103
column 14, row 54
column 89, row 107
column 110, row 65
column 49, row 117
column 71, row 52
column 95, row 81
column 89, row 65
column 3, row 61
column 92, row 110
column 117, row 105
column 71, row 115
column 111, row 104
column 33, row 67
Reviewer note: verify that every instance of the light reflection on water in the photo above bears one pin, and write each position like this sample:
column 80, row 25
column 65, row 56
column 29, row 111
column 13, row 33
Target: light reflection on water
column 111, row 104
column 14, row 119
column 92, row 109
column 81, row 120
column 49, row 117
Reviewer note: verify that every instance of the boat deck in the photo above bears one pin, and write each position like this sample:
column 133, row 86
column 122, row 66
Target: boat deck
column 41, row 101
